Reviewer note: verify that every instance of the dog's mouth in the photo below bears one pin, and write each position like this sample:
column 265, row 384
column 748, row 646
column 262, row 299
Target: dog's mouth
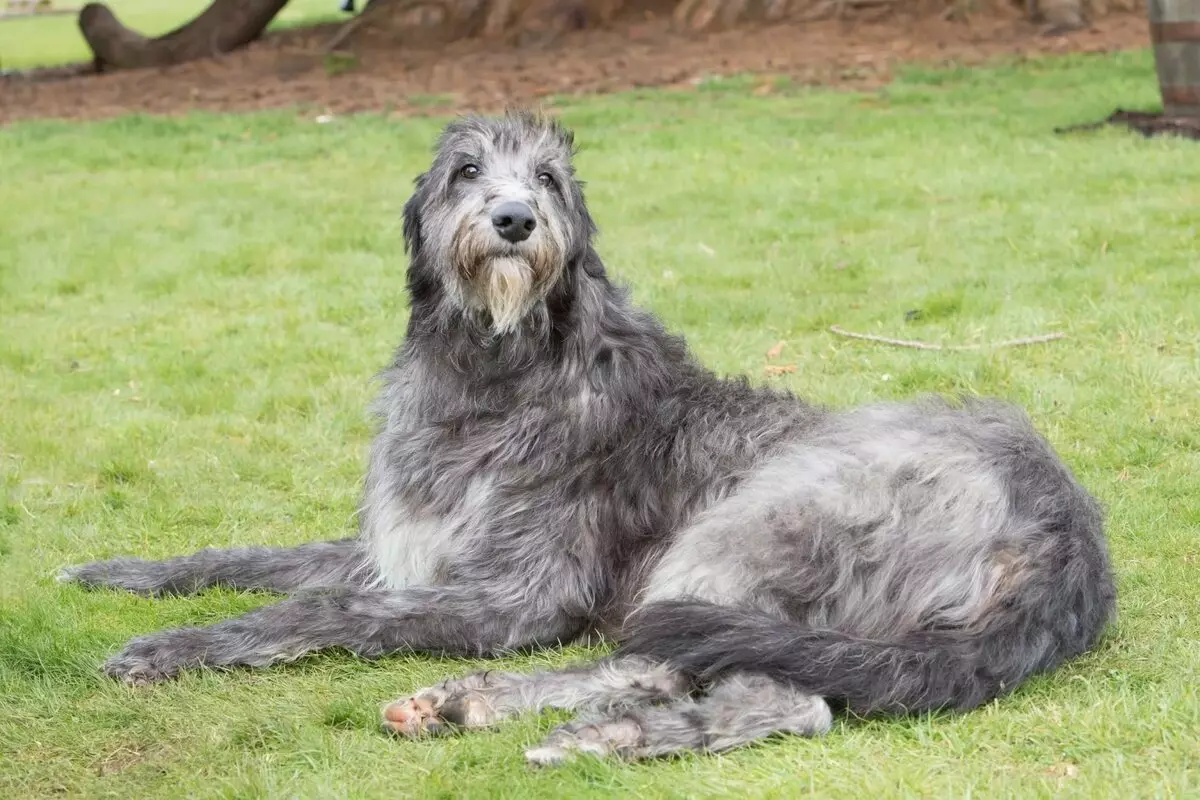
column 504, row 249
column 504, row 278
column 479, row 262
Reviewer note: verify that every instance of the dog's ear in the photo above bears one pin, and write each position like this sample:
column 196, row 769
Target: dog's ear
column 585, row 231
column 412, row 216
column 592, row 264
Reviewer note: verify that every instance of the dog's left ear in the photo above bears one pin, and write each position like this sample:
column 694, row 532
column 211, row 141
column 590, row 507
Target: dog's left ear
column 585, row 230
column 592, row 264
column 412, row 216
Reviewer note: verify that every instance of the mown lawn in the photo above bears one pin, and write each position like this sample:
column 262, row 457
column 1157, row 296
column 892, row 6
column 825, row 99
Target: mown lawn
column 191, row 313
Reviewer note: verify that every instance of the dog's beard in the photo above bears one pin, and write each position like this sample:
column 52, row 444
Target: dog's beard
column 505, row 283
column 504, row 286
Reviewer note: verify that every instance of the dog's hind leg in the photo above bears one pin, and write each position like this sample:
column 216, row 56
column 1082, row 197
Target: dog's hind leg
column 315, row 565
column 740, row 709
column 484, row 698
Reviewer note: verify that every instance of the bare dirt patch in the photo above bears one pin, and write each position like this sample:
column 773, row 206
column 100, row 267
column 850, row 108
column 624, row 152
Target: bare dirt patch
column 288, row 69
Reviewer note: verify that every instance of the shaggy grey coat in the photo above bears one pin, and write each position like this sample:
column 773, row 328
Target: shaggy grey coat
column 551, row 462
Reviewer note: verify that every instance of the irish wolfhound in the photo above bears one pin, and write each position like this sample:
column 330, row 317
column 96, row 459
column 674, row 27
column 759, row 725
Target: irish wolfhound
column 552, row 463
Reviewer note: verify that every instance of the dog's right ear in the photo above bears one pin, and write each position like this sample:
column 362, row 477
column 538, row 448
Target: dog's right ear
column 412, row 216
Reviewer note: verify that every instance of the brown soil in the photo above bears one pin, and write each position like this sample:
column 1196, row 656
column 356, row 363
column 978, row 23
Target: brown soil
column 289, row 70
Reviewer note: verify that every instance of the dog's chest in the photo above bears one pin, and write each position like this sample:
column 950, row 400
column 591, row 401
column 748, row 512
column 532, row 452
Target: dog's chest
column 447, row 492
column 407, row 548
column 413, row 542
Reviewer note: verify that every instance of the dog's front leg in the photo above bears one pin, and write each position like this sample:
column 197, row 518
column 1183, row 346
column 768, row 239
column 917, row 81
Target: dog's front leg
column 456, row 620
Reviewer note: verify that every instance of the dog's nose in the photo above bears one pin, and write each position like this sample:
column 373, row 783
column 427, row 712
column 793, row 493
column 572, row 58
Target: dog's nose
column 514, row 221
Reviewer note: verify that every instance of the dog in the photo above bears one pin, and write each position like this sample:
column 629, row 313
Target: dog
column 552, row 463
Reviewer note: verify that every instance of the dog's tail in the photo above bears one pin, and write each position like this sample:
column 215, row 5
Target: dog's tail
column 918, row 672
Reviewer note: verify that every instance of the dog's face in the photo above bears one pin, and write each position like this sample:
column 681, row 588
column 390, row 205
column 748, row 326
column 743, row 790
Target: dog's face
column 499, row 216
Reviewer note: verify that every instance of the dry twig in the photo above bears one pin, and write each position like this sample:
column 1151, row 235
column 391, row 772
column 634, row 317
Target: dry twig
column 1025, row 340
column 343, row 32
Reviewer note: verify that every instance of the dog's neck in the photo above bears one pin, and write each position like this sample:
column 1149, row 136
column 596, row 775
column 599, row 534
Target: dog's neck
column 578, row 339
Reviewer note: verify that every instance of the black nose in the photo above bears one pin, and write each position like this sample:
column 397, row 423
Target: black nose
column 514, row 221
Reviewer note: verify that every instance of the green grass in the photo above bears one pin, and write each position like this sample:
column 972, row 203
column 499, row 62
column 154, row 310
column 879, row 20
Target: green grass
column 50, row 40
column 191, row 311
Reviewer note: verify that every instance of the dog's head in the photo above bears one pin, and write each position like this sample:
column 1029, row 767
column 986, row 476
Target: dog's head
column 499, row 216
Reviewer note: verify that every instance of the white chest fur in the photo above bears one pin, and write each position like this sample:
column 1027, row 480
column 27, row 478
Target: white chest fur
column 406, row 548
column 409, row 546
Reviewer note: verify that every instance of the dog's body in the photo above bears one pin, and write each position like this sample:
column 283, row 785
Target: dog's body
column 551, row 462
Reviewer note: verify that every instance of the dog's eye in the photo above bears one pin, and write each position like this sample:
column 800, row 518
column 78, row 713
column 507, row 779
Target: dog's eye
column 469, row 171
column 546, row 179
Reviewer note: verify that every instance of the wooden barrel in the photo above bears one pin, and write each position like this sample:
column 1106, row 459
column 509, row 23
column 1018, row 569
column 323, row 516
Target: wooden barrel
column 1175, row 31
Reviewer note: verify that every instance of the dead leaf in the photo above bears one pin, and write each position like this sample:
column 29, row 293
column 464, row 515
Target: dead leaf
column 1063, row 772
column 120, row 759
column 776, row 351
column 779, row 369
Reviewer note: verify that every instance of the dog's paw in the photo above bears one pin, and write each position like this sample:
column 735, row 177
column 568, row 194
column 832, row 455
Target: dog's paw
column 150, row 659
column 453, row 704
column 89, row 575
column 419, row 715
column 613, row 737
column 130, row 574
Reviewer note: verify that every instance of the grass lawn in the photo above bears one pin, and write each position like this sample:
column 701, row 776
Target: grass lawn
column 49, row 40
column 191, row 312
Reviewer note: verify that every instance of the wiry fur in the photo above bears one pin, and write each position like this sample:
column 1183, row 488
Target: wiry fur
column 551, row 462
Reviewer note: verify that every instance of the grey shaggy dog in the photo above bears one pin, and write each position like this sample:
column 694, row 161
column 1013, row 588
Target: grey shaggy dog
column 552, row 463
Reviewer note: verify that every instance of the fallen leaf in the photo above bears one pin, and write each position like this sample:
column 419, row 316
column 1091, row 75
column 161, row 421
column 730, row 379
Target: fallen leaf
column 776, row 351
column 1062, row 772
column 779, row 369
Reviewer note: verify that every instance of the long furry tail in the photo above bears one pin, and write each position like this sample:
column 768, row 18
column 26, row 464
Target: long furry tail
column 922, row 671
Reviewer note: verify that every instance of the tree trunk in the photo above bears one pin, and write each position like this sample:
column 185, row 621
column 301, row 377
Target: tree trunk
column 1175, row 31
column 224, row 26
